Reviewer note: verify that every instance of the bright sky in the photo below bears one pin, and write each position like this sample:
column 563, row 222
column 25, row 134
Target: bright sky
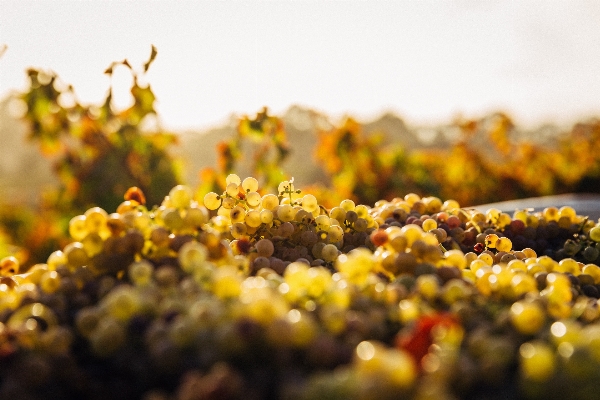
column 425, row 60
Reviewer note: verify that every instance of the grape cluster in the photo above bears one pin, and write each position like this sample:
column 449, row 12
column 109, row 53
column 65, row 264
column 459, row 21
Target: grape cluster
column 252, row 295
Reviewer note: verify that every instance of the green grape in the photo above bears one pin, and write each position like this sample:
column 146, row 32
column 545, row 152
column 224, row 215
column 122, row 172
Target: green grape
column 503, row 244
column 329, row 253
column 429, row 224
column 250, row 184
column 95, row 219
column 253, row 218
column 338, row 213
column 323, row 223
column 551, row 214
column 490, row 240
column 233, row 189
column 50, row 282
column 361, row 210
column 75, row 255
column 181, row 196
column 92, row 244
column 335, row 234
column 492, row 215
column 455, row 258
column 594, row 234
column 212, row 201
column 238, row 230
column 269, row 202
column 28, row 315
column 195, row 217
column 527, row 317
column 77, row 227
column 228, row 203
column 347, row 205
column 233, row 178
column 309, row 203
column 9, row 266
column 171, row 218
column 286, row 213
column 140, row 273
column 237, row 214
column 394, row 367
column 253, row 199
column 56, row 259
column 428, row 286
column 266, row 216
column 192, row 256
column 537, row 361
column 122, row 303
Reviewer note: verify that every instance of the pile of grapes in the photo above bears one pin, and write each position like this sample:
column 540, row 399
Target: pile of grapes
column 242, row 295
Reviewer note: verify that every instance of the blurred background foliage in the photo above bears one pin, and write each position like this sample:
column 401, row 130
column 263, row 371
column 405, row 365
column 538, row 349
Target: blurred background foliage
column 98, row 152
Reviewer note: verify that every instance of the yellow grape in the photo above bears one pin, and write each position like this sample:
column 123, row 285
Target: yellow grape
column 250, row 184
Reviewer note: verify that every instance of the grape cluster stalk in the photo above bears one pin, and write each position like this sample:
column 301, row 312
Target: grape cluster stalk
column 252, row 295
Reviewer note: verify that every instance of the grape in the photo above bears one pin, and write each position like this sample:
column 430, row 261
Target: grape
column 331, row 294
column 77, row 227
column 595, row 234
column 503, row 244
column 50, row 282
column 591, row 253
column 192, row 256
column 347, row 205
column 266, row 216
column 360, row 225
column 250, row 184
column 335, row 234
column 92, row 244
column 537, row 361
column 490, row 240
column 237, row 214
column 551, row 214
column 323, row 223
column 212, row 201
column 75, row 255
column 309, row 203
column 181, row 196
column 329, row 253
column 141, row 272
column 196, row 217
column 233, row 189
column 527, row 317
column 253, row 199
column 429, row 224
column 252, row 219
column 9, row 266
column 264, row 248
column 286, row 229
column 238, row 230
column 286, row 213
column 233, row 178
column 269, row 202
column 361, row 210
column 95, row 219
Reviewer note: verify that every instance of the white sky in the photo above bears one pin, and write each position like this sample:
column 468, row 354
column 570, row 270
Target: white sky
column 425, row 60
